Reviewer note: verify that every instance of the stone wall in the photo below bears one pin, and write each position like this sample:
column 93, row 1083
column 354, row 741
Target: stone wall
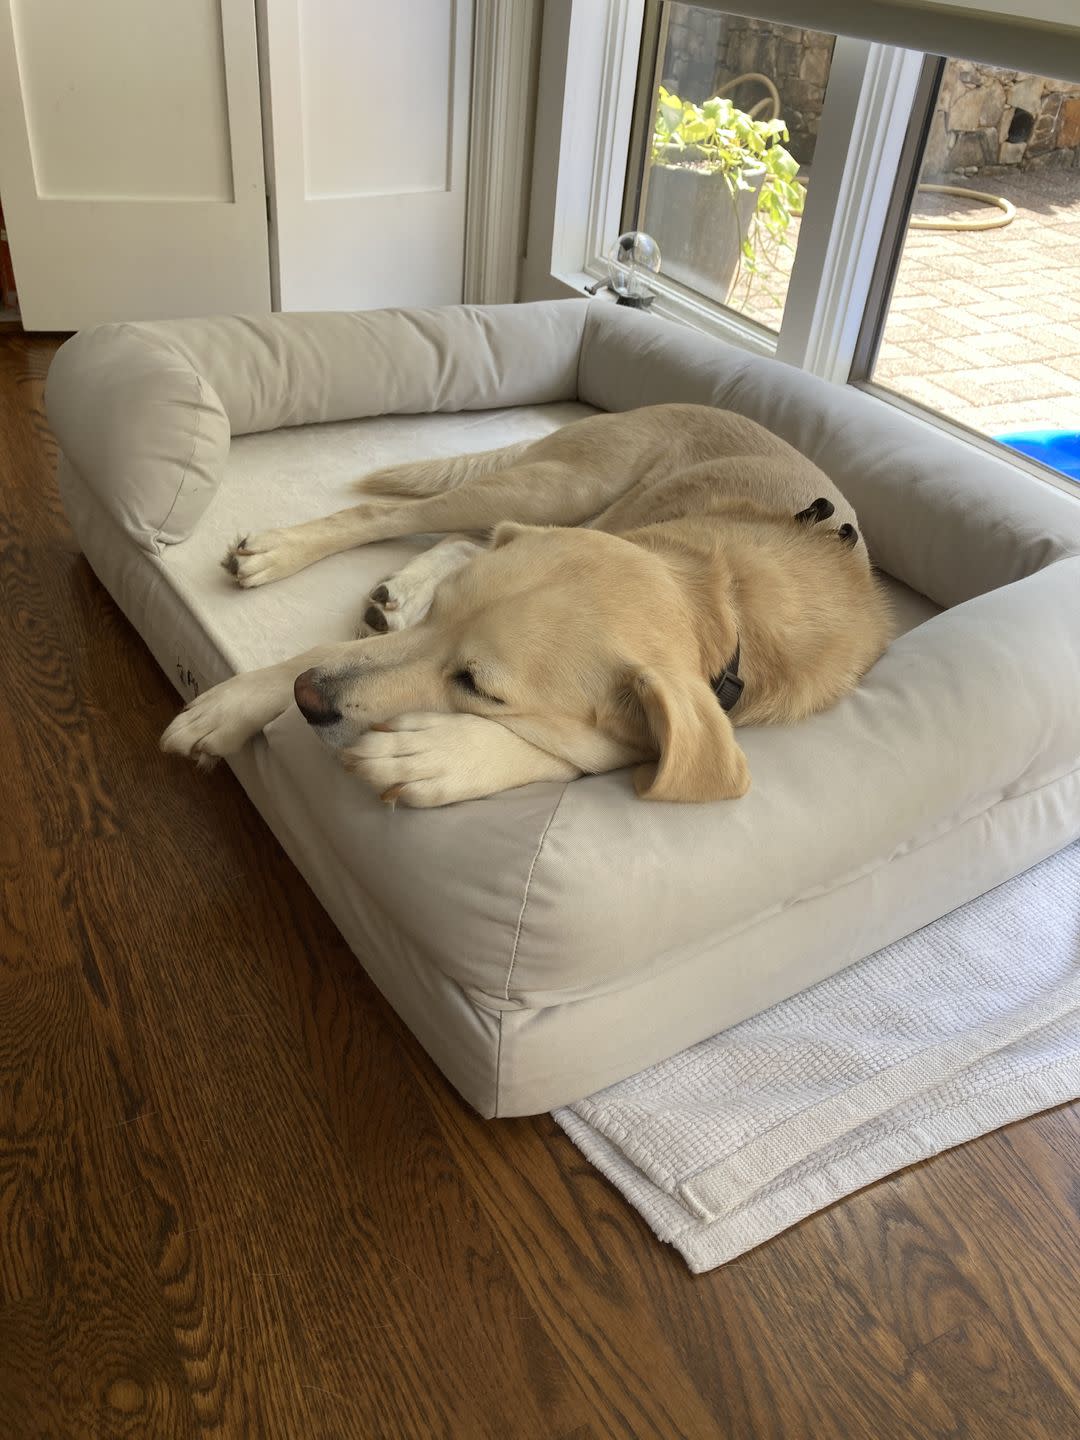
column 706, row 49
column 987, row 120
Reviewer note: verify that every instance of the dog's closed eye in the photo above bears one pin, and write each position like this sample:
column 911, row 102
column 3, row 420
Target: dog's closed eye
column 467, row 680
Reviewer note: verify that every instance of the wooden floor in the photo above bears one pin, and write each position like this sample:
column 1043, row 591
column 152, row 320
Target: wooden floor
column 236, row 1199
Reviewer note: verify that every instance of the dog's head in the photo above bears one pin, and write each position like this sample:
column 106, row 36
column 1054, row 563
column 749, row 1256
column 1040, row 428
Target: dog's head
column 581, row 642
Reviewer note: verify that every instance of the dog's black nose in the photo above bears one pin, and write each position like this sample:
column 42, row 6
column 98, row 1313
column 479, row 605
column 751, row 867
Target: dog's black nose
column 312, row 702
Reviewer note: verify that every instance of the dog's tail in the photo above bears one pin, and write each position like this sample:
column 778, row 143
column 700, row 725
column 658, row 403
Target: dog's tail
column 417, row 478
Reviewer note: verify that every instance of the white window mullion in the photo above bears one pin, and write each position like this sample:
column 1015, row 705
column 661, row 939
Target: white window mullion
column 863, row 127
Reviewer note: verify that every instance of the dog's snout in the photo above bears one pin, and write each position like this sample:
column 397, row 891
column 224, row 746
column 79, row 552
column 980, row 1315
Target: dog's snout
column 312, row 700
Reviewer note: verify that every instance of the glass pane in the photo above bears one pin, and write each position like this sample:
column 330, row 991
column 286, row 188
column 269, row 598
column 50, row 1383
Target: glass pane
column 984, row 322
column 735, row 108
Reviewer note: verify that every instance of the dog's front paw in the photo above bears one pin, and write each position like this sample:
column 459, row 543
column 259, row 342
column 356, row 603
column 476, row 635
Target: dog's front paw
column 259, row 559
column 210, row 727
column 424, row 760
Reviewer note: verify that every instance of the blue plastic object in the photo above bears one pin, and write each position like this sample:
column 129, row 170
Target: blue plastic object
column 1060, row 449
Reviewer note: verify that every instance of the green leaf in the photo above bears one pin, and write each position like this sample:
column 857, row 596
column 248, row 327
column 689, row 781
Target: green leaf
column 747, row 154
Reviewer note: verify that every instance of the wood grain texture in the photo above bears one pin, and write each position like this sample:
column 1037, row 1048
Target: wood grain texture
column 237, row 1199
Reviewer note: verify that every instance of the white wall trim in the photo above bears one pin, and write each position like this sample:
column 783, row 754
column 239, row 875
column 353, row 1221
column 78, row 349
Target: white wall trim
column 588, row 66
column 863, row 129
column 506, row 37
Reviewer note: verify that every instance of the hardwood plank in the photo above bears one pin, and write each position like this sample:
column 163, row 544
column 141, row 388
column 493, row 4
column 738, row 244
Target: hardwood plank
column 237, row 1199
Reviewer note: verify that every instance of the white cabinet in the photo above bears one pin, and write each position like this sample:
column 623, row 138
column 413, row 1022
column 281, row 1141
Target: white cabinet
column 132, row 144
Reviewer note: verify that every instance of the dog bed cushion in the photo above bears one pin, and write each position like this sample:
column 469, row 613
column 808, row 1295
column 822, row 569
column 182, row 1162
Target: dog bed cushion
column 551, row 940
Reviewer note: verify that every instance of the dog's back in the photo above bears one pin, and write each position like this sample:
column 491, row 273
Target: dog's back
column 689, row 459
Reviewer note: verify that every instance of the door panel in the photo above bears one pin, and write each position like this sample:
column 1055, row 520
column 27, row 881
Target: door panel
column 131, row 163
column 369, row 110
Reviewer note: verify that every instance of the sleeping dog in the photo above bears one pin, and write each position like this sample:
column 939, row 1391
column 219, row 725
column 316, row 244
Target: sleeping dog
column 652, row 580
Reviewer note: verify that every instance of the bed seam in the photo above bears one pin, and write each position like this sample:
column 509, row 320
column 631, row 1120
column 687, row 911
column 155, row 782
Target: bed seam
column 528, row 888
column 586, row 327
column 199, row 396
column 498, row 1065
column 837, row 886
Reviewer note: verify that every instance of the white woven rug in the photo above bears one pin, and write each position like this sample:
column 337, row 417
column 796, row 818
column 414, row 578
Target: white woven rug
column 970, row 1023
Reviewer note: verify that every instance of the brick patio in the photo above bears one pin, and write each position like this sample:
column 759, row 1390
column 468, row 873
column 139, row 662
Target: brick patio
column 984, row 326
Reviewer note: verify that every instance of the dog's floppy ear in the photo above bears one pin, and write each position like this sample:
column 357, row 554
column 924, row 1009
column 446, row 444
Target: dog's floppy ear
column 699, row 757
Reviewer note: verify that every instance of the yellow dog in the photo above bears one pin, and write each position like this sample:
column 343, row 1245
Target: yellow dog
column 652, row 580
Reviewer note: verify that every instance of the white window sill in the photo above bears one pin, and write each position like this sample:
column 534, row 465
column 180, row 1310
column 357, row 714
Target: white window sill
column 673, row 303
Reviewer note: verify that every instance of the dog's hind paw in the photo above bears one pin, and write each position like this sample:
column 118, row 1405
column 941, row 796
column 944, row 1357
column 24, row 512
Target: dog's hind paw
column 405, row 598
column 821, row 509
column 395, row 605
column 381, row 613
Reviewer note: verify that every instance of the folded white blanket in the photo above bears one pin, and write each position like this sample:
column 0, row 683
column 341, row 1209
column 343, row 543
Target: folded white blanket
column 970, row 1023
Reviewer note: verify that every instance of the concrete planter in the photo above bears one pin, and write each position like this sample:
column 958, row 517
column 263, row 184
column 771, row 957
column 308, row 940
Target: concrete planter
column 699, row 226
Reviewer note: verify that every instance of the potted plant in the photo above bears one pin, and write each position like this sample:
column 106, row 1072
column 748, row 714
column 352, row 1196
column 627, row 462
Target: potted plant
column 720, row 191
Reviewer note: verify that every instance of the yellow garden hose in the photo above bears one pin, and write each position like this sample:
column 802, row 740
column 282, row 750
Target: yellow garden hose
column 769, row 102
column 915, row 222
column 988, row 222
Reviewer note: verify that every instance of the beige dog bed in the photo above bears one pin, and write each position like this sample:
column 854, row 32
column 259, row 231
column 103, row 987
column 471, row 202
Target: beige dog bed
column 551, row 940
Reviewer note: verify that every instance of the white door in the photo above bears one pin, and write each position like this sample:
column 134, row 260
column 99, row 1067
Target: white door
column 131, row 169
column 368, row 108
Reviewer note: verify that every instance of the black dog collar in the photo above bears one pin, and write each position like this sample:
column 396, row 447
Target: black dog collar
column 727, row 686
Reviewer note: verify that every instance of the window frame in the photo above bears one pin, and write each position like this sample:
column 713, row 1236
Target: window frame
column 875, row 312
column 590, row 65
column 993, row 449
column 894, row 231
column 866, row 168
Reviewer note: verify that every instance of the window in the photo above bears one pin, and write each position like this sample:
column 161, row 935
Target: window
column 964, row 305
column 983, row 323
column 726, row 122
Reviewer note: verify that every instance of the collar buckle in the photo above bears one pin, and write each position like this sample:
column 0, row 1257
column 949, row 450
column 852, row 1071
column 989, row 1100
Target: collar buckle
column 727, row 686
